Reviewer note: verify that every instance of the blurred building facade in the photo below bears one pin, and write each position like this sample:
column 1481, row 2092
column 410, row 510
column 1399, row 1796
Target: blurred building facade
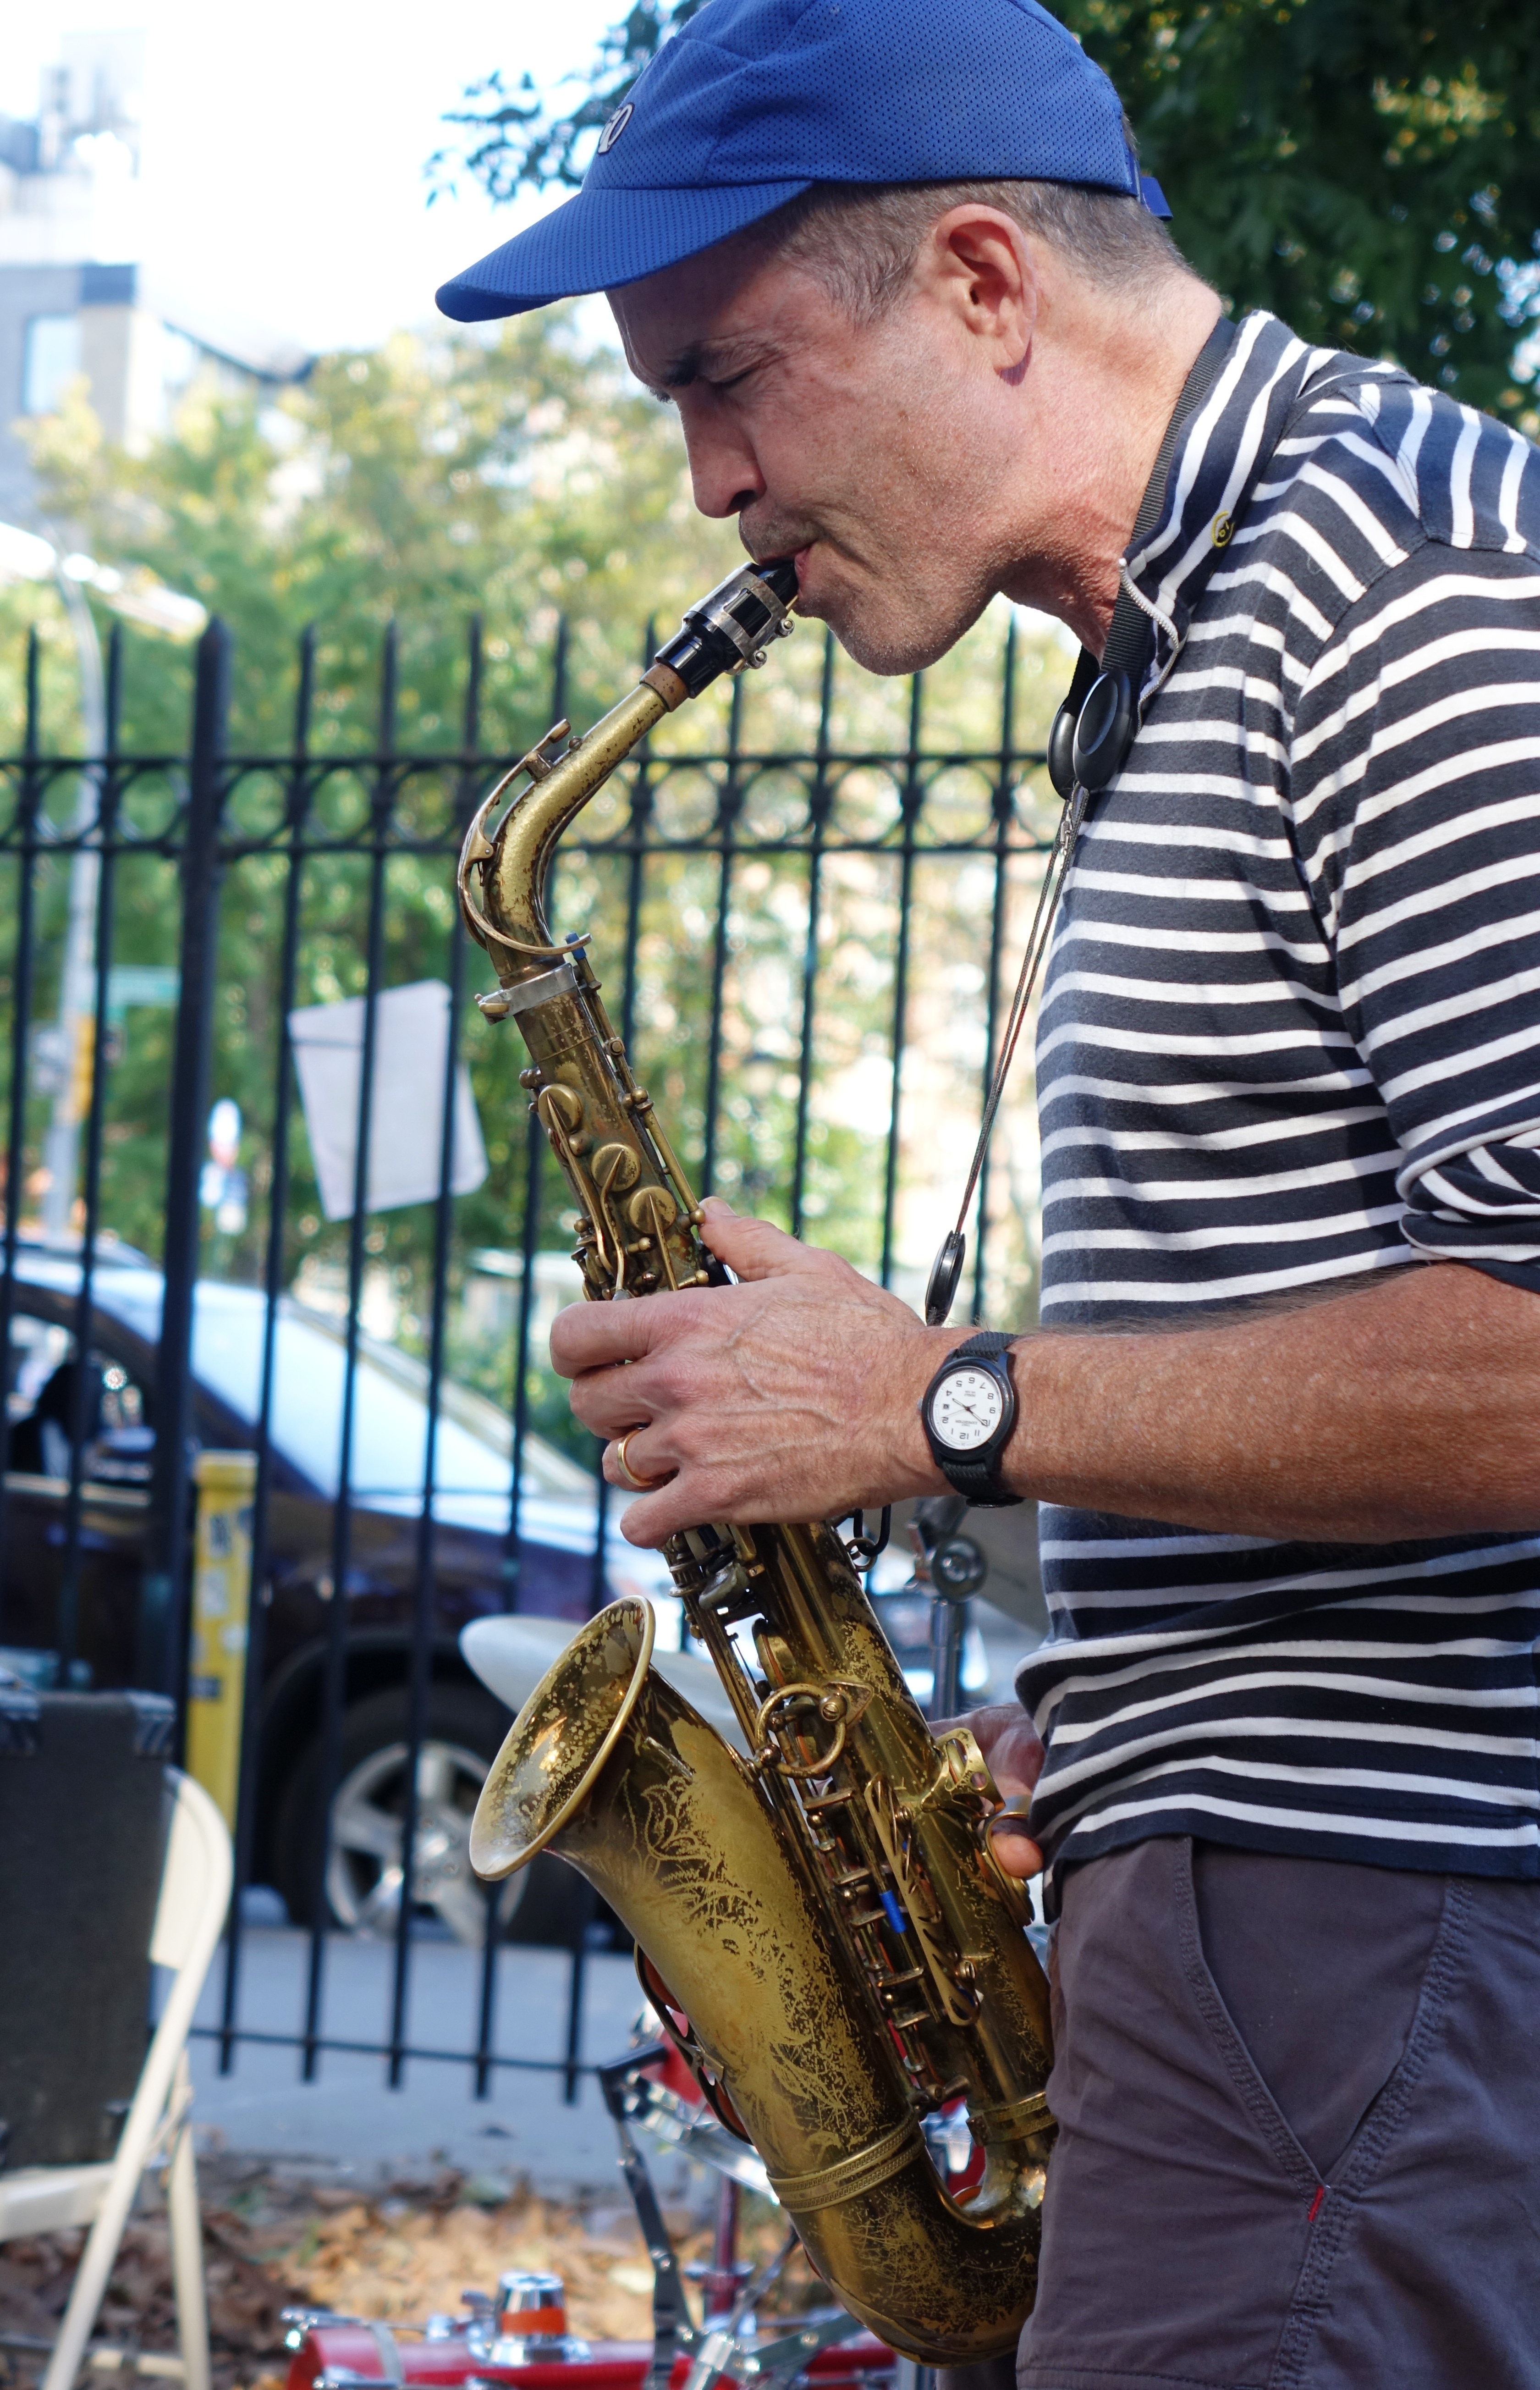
column 77, row 298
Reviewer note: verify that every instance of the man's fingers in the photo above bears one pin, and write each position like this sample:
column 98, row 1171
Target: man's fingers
column 751, row 1248
column 639, row 1467
column 592, row 1335
column 1010, row 1745
column 1017, row 1854
column 657, row 1516
column 608, row 1401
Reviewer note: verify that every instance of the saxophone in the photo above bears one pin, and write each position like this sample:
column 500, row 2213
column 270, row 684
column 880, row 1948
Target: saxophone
column 826, row 1933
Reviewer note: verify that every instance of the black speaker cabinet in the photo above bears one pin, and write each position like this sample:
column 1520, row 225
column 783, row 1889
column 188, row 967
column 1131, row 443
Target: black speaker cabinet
column 85, row 1806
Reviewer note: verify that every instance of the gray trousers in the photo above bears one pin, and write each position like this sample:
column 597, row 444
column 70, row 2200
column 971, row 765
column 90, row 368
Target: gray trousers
column 1298, row 2104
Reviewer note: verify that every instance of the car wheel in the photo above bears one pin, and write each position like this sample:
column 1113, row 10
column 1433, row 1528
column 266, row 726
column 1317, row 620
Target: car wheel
column 364, row 1874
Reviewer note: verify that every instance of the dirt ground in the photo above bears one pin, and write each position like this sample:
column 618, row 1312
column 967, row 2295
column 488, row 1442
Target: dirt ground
column 275, row 2239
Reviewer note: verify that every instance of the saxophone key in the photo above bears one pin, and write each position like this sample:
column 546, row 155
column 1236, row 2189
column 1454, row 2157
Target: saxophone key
column 562, row 1102
column 615, row 1167
column 652, row 1209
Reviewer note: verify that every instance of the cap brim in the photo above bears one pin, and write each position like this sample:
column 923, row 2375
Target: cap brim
column 601, row 238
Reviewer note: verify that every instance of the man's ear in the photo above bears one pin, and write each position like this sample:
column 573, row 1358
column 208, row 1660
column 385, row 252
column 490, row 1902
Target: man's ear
column 977, row 263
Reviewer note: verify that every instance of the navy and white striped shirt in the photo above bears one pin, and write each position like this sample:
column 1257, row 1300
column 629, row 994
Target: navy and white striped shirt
column 1291, row 1034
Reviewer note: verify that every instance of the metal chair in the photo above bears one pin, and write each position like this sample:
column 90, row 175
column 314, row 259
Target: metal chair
column 195, row 1895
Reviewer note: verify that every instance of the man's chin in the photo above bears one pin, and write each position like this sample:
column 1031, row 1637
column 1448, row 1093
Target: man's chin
column 872, row 640
column 863, row 620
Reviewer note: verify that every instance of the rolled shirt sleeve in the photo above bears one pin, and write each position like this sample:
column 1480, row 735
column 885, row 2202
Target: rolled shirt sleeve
column 1415, row 794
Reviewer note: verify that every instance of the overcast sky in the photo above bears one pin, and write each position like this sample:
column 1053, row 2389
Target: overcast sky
column 285, row 145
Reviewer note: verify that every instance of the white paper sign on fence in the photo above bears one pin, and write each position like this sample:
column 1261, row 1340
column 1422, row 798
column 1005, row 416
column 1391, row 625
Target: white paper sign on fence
column 406, row 1113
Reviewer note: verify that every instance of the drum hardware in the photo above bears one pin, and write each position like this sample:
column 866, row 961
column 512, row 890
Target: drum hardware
column 517, row 2339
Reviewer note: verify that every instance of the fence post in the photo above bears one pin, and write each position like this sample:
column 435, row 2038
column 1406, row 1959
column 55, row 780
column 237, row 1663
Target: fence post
column 25, row 908
column 162, row 1617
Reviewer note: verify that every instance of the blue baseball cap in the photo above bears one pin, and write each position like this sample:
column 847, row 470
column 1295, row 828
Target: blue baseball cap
column 756, row 100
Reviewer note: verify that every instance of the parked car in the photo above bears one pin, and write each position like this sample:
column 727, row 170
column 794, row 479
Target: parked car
column 473, row 1484
column 558, row 1517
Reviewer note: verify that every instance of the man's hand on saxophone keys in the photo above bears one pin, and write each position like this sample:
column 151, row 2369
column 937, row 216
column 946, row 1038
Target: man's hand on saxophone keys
column 793, row 1395
column 1013, row 1749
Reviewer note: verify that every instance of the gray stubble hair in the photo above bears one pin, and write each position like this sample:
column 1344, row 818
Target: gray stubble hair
column 860, row 239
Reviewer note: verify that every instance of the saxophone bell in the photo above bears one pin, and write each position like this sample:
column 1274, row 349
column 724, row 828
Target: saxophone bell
column 618, row 1774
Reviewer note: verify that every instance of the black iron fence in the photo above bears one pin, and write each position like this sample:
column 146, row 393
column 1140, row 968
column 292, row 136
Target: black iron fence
column 805, row 904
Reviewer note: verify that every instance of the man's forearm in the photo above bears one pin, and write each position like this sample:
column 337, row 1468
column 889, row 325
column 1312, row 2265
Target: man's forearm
column 1408, row 1408
column 1411, row 1408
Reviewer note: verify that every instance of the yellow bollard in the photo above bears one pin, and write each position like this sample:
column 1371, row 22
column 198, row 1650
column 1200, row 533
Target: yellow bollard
column 222, row 1589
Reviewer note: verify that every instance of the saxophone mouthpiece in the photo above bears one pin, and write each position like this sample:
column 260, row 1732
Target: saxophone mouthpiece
column 731, row 627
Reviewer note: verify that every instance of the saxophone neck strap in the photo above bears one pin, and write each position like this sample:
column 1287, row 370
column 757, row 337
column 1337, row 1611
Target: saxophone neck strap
column 1099, row 718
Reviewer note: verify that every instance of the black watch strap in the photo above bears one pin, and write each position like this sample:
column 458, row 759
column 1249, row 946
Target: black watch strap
column 978, row 1481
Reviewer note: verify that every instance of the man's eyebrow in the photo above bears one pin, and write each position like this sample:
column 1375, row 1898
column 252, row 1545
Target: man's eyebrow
column 709, row 359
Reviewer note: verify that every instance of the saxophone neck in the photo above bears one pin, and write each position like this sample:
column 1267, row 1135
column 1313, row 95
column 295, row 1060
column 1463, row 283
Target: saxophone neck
column 505, row 911
column 514, row 865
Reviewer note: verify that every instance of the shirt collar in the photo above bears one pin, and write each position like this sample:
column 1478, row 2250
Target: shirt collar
column 1220, row 457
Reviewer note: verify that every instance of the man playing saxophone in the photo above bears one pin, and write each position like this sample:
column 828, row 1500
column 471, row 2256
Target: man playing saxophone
column 897, row 269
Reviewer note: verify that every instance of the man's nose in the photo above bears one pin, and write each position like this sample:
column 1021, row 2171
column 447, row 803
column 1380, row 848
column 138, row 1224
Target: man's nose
column 723, row 468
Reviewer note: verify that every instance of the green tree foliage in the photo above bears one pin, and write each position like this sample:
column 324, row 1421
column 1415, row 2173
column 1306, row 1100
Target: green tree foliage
column 1367, row 169
column 508, row 477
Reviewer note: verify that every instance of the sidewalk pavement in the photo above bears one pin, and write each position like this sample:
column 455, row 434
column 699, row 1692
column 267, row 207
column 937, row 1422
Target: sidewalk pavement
column 349, row 2121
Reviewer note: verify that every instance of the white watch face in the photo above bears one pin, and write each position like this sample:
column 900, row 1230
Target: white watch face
column 968, row 1407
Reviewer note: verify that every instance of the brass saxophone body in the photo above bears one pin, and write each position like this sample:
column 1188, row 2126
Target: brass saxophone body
column 826, row 1914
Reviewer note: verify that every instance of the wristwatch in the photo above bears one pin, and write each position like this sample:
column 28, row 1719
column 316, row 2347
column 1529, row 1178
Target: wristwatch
column 968, row 1412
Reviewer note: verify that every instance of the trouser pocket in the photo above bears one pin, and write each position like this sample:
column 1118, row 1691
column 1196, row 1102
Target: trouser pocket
column 1177, row 2209
column 1319, row 1965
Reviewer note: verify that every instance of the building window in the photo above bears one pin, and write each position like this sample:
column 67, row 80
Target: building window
column 52, row 361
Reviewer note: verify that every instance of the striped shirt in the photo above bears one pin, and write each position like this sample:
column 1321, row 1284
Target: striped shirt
column 1291, row 1034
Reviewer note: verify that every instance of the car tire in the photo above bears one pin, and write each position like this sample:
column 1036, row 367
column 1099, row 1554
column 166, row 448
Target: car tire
column 463, row 1729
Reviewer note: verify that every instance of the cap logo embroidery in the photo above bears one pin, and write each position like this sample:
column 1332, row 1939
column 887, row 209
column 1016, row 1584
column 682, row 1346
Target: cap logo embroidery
column 615, row 127
column 1224, row 529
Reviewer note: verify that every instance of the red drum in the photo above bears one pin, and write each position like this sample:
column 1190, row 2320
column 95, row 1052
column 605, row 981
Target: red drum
column 521, row 2341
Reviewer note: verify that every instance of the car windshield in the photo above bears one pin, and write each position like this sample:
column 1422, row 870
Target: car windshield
column 473, row 1448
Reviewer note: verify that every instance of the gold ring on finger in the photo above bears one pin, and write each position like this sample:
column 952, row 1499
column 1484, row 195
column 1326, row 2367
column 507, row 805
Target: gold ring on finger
column 628, row 1475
